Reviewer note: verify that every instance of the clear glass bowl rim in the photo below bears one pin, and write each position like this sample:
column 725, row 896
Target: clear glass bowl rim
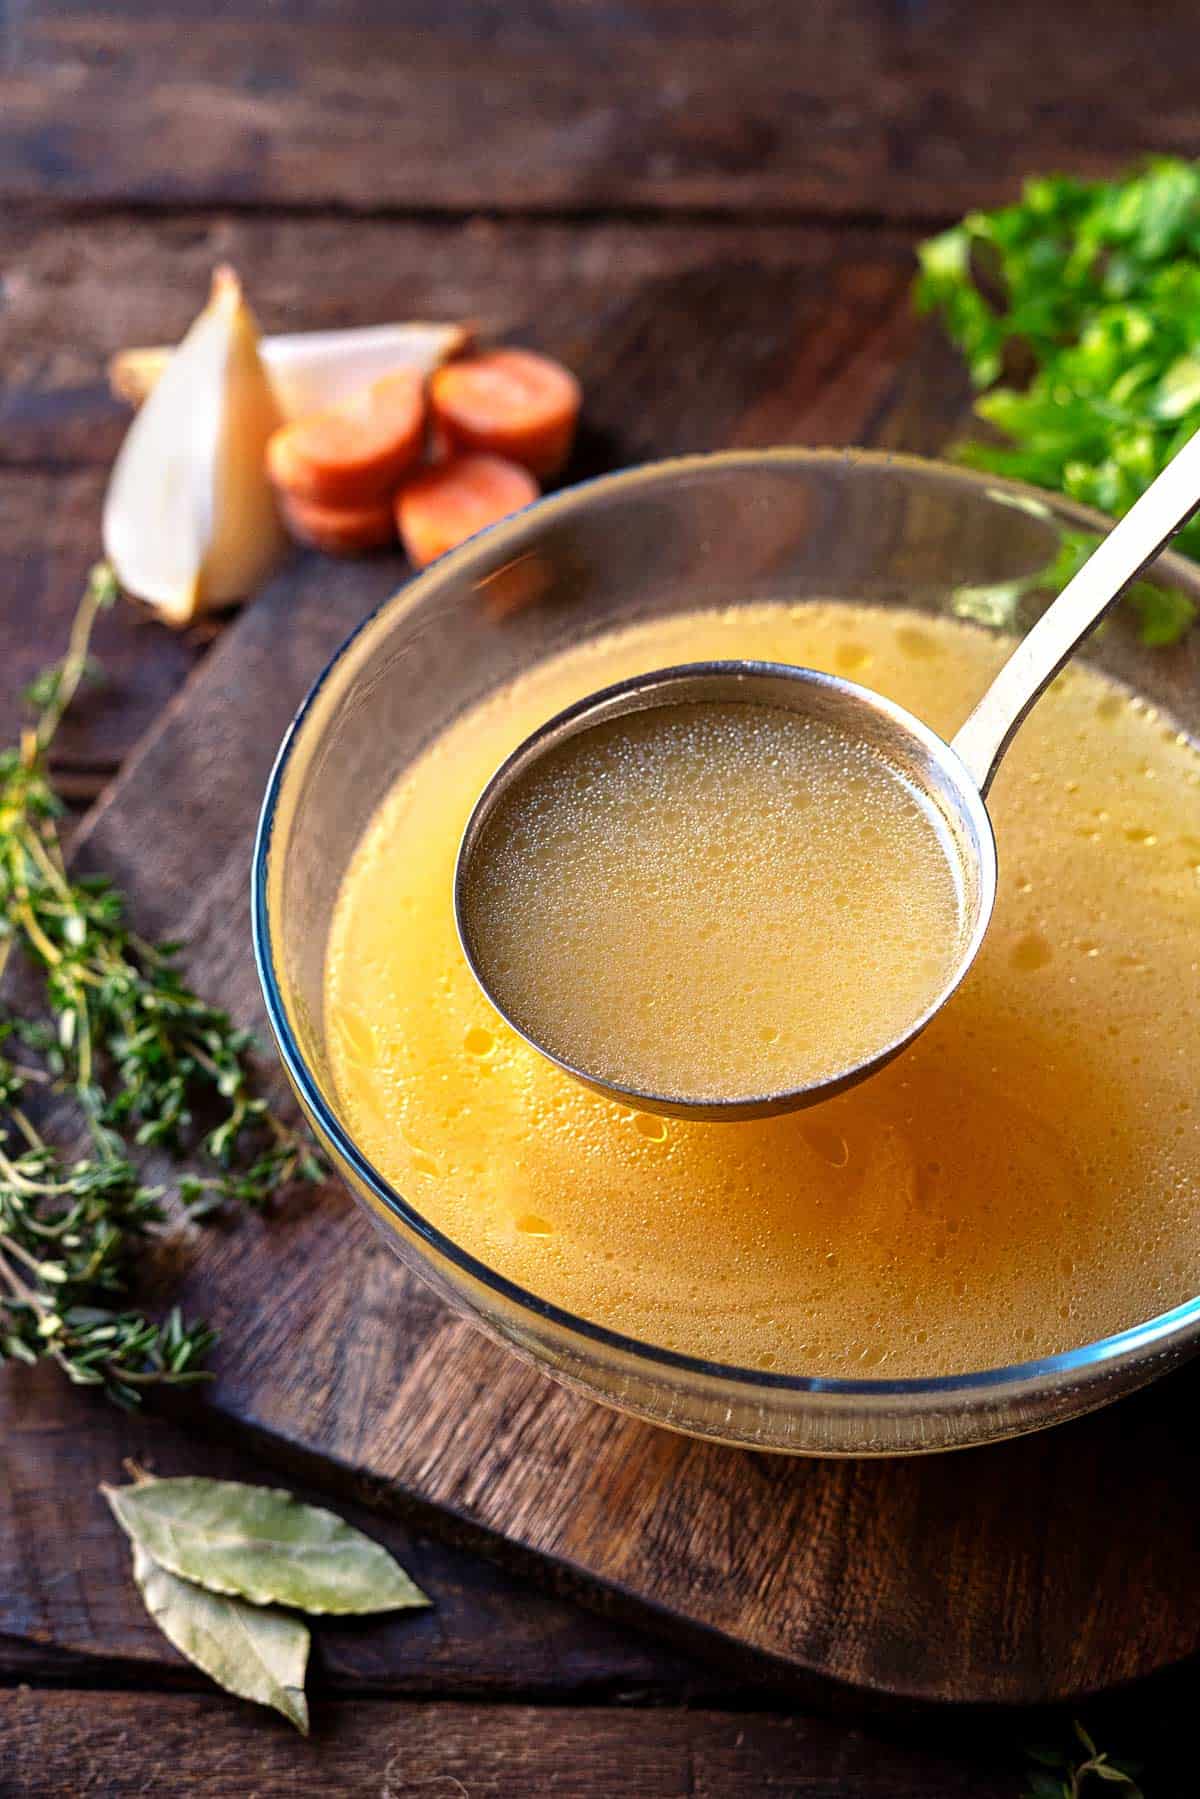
column 1156, row 1333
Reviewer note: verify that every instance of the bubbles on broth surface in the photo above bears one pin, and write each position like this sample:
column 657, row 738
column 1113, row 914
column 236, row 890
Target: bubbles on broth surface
column 1024, row 1179
column 715, row 900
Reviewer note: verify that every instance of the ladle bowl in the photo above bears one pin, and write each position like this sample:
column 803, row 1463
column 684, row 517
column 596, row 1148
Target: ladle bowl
column 704, row 534
column 918, row 754
column 953, row 778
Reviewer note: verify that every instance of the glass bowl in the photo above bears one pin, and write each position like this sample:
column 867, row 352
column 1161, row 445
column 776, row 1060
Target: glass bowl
column 676, row 536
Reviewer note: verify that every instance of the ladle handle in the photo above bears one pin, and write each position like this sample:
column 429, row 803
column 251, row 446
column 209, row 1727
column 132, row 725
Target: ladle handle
column 1151, row 522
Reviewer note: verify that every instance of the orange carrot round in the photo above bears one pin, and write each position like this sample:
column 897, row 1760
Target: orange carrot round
column 355, row 454
column 511, row 402
column 445, row 505
column 339, row 530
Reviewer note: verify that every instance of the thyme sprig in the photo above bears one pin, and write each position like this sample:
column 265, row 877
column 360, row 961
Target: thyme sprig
column 151, row 1065
column 68, row 1234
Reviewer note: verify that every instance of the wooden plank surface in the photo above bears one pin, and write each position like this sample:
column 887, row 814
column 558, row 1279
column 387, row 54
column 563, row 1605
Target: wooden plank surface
column 49, row 538
column 754, row 332
column 122, row 1744
column 70, row 1619
column 143, row 141
column 69, row 1608
column 1000, row 1573
column 881, row 109
column 726, row 308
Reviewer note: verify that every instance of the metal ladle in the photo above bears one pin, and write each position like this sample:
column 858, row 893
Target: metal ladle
column 954, row 777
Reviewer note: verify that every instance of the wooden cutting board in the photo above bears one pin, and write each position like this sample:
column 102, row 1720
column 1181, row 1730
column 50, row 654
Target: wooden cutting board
column 1022, row 1572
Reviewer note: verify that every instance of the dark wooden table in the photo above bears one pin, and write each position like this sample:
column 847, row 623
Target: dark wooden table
column 708, row 208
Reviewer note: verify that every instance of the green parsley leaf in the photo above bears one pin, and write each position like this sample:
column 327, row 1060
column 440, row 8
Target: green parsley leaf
column 1094, row 287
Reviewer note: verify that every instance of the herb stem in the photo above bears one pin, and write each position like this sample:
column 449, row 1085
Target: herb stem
column 83, row 1050
column 100, row 592
column 25, row 1295
column 12, row 1247
column 150, row 1065
column 24, row 916
column 34, row 847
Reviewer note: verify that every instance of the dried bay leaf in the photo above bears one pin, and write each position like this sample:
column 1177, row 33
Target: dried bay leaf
column 249, row 1650
column 261, row 1544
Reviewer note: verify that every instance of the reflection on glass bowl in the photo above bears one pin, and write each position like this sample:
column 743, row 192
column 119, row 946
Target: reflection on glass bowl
column 678, row 538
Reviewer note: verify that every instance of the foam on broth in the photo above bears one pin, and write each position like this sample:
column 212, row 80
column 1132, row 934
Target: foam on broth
column 1025, row 1178
column 715, row 901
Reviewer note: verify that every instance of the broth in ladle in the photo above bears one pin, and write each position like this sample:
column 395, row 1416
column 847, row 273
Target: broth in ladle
column 714, row 901
column 1025, row 1178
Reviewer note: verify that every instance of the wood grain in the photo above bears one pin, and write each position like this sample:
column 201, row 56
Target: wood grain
column 746, row 333
column 69, row 1608
column 717, row 307
column 141, row 143
column 49, row 538
column 1000, row 1574
column 123, row 1744
column 926, row 1579
column 881, row 109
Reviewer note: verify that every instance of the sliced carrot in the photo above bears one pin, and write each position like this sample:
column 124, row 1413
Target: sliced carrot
column 512, row 402
column 353, row 454
column 438, row 447
column 445, row 505
column 339, row 530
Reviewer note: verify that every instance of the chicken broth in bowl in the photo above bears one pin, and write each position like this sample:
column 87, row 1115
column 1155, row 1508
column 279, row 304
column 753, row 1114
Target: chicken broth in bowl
column 1022, row 1180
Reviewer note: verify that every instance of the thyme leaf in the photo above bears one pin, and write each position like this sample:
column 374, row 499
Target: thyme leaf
column 150, row 1066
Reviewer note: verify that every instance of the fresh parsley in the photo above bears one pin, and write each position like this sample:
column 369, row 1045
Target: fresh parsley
column 1078, row 310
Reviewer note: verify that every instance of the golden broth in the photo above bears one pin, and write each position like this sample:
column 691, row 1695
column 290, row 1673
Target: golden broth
column 1022, row 1180
column 714, row 901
